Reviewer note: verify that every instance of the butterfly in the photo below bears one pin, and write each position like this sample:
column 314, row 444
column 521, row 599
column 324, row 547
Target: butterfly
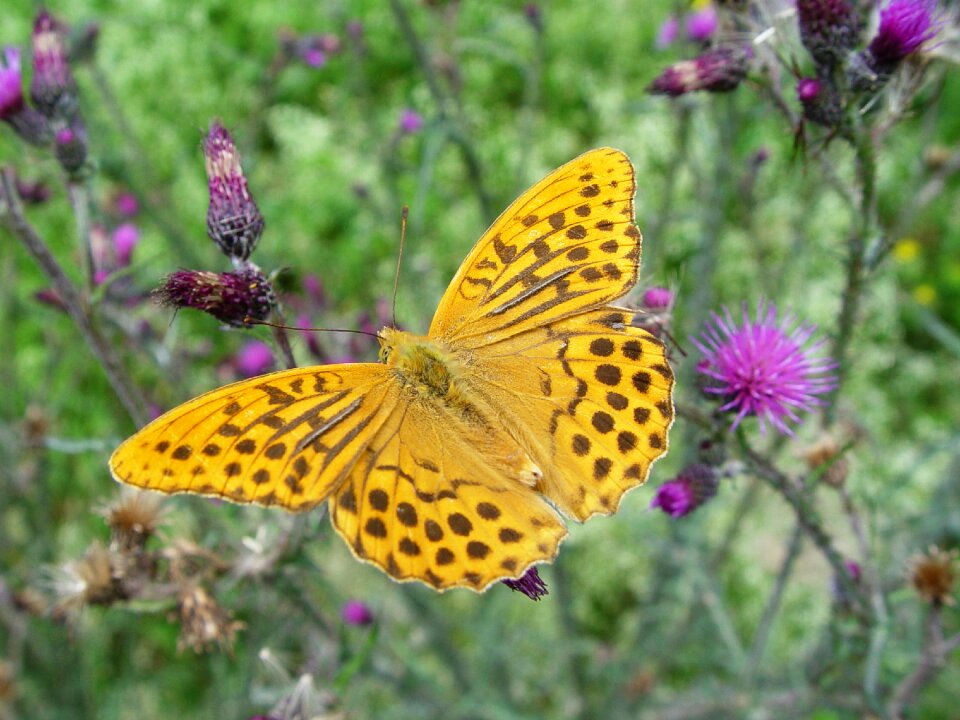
column 452, row 459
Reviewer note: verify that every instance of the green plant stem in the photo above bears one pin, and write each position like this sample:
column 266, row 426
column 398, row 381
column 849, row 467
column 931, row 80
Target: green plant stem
column 807, row 517
column 454, row 122
column 79, row 198
column 664, row 215
column 774, row 602
column 11, row 214
column 933, row 658
column 855, row 266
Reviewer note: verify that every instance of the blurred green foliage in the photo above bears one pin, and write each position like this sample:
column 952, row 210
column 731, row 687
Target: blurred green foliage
column 645, row 617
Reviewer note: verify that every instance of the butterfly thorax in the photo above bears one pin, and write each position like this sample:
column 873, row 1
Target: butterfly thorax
column 426, row 367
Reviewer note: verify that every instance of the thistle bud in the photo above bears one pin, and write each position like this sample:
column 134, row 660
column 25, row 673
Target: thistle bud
column 234, row 221
column 53, row 89
column 905, row 27
column 719, row 70
column 234, row 298
column 829, row 29
column 820, row 101
column 694, row 486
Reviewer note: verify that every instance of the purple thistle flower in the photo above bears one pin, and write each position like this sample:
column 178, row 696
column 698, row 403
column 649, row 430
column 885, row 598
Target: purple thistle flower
column 702, row 24
column 411, row 122
column 764, row 368
column 125, row 239
column 314, row 57
column 657, row 298
column 719, row 70
column 254, row 358
column 667, row 32
column 829, row 29
column 234, row 298
column 53, row 89
column 358, row 613
column 695, row 485
column 234, row 221
column 905, row 26
column 127, row 204
column 11, row 83
column 530, row 584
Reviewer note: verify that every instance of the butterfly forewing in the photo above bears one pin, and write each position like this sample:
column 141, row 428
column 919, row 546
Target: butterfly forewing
column 566, row 245
column 287, row 439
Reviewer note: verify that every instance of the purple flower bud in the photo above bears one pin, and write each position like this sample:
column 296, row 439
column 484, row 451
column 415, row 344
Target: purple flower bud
column 694, row 486
column 355, row 30
column 702, row 24
column 821, row 101
column 33, row 193
column 719, row 70
column 254, row 358
column 314, row 287
column 808, row 89
column 657, row 298
column 534, row 16
column 53, row 89
column 234, row 298
column 125, row 239
column 314, row 57
column 355, row 612
column 11, row 83
column 234, row 221
column 530, row 584
column 70, row 146
column 411, row 122
column 667, row 33
column 829, row 29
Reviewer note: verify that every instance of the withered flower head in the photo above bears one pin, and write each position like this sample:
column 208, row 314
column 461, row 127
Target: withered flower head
column 932, row 575
column 134, row 517
column 86, row 581
column 203, row 623
column 825, row 451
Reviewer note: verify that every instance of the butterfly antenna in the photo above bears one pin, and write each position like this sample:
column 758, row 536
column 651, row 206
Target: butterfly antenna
column 396, row 277
column 255, row 321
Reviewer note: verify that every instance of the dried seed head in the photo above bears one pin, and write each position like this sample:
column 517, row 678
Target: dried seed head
column 203, row 623
column 933, row 574
column 87, row 581
column 825, row 451
column 133, row 518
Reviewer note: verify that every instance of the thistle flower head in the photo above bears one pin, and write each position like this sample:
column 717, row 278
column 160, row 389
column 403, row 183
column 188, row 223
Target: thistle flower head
column 70, row 146
column 234, row 298
column 355, row 612
column 718, row 70
column 701, row 24
column 53, row 89
column 234, row 221
column 657, row 298
column 11, row 83
column 764, row 368
column 820, row 101
column 933, row 575
column 667, row 32
column 829, row 29
column 411, row 122
column 905, row 27
column 694, row 486
column 530, row 584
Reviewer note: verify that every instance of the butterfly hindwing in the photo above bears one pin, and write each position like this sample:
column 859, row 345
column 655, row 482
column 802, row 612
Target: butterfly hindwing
column 567, row 244
column 590, row 401
column 287, row 438
column 446, row 501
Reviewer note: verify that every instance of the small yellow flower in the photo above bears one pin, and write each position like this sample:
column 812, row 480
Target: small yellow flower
column 906, row 250
column 925, row 294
